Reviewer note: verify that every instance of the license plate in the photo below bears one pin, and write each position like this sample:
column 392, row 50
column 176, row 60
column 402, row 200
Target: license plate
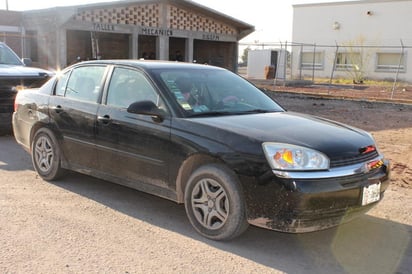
column 371, row 193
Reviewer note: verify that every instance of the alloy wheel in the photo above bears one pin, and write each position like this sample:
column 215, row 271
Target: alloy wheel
column 210, row 204
column 44, row 154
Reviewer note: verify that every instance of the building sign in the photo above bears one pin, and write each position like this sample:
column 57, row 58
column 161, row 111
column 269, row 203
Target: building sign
column 103, row 27
column 157, row 32
column 211, row 37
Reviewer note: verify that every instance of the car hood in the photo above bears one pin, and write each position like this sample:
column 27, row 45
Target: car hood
column 241, row 131
column 22, row 71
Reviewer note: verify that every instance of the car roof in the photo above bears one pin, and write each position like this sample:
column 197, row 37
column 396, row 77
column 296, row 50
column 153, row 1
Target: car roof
column 150, row 64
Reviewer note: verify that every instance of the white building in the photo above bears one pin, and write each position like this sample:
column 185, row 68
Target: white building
column 361, row 39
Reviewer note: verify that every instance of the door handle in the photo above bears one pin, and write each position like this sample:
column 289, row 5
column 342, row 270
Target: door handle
column 105, row 119
column 58, row 109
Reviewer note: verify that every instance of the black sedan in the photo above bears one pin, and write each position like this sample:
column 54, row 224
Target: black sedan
column 205, row 137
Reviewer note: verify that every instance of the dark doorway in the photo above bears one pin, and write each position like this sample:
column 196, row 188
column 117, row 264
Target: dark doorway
column 221, row 54
column 147, row 47
column 177, row 49
column 113, row 45
column 86, row 45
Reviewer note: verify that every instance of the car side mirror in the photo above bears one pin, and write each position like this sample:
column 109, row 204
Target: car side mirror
column 27, row 61
column 147, row 108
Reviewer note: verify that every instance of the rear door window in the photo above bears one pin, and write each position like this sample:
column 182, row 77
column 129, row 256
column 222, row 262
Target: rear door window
column 61, row 84
column 84, row 83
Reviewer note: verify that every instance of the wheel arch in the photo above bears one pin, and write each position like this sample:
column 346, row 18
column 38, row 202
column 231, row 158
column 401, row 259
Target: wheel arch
column 57, row 135
column 36, row 128
column 188, row 167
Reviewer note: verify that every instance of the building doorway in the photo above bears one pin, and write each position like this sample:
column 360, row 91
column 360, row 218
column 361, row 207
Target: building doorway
column 177, row 49
column 87, row 45
column 147, row 47
column 215, row 53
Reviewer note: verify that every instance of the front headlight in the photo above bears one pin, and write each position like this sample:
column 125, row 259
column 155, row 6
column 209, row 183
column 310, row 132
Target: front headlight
column 289, row 157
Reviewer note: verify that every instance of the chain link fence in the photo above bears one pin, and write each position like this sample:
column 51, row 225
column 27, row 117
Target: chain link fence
column 354, row 64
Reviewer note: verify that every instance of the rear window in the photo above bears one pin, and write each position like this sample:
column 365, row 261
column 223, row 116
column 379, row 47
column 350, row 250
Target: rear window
column 82, row 83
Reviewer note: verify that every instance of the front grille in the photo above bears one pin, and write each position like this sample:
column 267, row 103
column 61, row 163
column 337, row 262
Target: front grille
column 350, row 181
column 7, row 95
column 8, row 91
column 361, row 158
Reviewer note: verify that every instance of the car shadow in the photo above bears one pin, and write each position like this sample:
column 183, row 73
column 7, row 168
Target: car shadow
column 12, row 156
column 365, row 245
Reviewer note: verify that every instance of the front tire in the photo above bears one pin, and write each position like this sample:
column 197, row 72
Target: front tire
column 214, row 203
column 46, row 155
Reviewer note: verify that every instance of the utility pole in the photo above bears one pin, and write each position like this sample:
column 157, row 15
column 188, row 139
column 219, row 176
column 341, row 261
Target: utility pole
column 7, row 4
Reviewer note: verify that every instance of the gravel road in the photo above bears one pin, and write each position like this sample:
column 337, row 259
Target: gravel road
column 83, row 225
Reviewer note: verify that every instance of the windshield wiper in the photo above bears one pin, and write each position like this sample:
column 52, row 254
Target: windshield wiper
column 258, row 110
column 254, row 111
column 212, row 113
column 224, row 113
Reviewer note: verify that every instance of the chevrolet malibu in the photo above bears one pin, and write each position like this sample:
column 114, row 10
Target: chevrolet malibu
column 204, row 137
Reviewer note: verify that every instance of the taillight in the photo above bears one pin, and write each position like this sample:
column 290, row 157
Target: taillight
column 15, row 105
column 18, row 89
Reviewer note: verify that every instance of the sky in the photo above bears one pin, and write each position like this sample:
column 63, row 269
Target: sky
column 272, row 19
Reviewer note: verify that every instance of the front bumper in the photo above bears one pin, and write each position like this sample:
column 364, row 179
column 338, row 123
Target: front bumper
column 309, row 201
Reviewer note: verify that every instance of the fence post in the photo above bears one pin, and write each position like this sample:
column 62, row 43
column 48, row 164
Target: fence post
column 277, row 64
column 285, row 67
column 333, row 67
column 285, row 62
column 398, row 69
column 313, row 63
column 300, row 61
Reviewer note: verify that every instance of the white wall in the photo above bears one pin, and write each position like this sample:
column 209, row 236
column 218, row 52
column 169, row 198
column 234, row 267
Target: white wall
column 256, row 63
column 376, row 25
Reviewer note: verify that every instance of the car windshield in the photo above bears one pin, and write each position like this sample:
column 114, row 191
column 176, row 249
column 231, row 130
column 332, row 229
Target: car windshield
column 7, row 57
column 215, row 92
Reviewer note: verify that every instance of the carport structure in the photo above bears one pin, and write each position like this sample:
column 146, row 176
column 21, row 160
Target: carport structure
column 158, row 29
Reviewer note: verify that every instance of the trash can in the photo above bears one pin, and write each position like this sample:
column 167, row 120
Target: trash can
column 269, row 72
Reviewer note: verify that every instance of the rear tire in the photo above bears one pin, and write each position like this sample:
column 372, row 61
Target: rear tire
column 214, row 203
column 46, row 155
